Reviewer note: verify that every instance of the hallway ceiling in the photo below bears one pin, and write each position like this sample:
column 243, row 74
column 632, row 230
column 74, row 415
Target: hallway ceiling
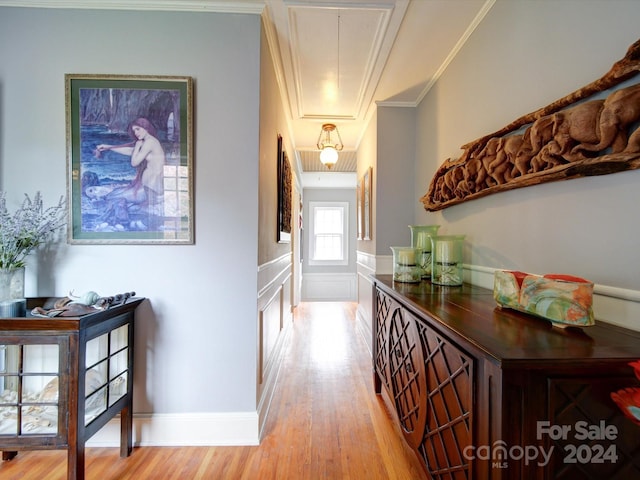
column 337, row 59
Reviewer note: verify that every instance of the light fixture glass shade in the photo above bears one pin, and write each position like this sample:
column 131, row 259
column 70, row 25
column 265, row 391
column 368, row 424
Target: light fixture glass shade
column 329, row 147
column 329, row 156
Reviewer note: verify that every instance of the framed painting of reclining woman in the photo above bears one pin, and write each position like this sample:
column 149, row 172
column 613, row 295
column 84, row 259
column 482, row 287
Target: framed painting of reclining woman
column 129, row 159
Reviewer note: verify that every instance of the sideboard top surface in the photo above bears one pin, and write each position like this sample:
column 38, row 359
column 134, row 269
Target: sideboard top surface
column 511, row 337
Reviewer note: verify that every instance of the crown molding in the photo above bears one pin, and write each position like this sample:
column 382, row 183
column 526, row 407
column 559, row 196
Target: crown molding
column 215, row 6
column 457, row 47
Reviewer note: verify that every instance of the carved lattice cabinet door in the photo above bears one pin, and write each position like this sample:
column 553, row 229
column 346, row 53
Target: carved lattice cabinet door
column 407, row 373
column 450, row 380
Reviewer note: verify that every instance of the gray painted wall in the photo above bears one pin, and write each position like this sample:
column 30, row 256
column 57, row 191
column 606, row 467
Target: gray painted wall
column 394, row 177
column 523, row 56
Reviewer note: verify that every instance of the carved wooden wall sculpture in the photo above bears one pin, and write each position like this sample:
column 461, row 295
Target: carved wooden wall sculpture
column 569, row 138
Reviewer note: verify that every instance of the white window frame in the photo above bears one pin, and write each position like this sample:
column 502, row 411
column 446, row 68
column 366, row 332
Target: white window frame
column 313, row 205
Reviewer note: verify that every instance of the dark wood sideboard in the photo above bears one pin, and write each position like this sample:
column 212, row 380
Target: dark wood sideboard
column 487, row 393
column 63, row 378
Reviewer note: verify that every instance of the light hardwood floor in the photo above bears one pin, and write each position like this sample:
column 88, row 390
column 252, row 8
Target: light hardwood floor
column 325, row 423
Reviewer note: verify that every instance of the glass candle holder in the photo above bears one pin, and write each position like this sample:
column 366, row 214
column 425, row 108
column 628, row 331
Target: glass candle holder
column 405, row 268
column 447, row 260
column 421, row 238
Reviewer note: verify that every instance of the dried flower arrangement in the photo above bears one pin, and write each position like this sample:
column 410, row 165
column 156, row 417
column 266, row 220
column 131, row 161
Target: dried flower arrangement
column 29, row 227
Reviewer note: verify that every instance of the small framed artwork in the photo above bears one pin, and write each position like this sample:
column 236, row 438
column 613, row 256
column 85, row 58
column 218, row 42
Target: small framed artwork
column 129, row 159
column 285, row 187
column 366, row 203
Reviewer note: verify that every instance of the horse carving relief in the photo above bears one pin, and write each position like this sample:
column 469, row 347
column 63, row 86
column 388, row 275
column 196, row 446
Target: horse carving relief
column 569, row 138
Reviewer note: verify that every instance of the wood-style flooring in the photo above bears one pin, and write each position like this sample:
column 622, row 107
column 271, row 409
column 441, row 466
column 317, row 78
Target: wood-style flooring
column 325, row 423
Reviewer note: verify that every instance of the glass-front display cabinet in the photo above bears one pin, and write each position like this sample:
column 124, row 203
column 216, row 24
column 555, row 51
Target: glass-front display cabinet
column 64, row 378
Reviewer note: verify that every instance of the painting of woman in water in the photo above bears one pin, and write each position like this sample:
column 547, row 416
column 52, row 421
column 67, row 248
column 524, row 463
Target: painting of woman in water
column 130, row 159
column 147, row 157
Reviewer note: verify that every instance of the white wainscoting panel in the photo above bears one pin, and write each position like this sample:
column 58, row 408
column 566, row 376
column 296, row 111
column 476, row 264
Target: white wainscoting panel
column 329, row 287
column 274, row 318
column 364, row 314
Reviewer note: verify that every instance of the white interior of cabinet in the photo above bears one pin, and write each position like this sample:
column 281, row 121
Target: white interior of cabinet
column 106, row 376
column 32, row 385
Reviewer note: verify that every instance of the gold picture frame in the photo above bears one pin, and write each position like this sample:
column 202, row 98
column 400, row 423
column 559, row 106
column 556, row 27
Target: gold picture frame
column 129, row 159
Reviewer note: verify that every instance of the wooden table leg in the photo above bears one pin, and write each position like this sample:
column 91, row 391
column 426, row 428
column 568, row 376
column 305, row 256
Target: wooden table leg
column 126, row 431
column 75, row 462
column 9, row 455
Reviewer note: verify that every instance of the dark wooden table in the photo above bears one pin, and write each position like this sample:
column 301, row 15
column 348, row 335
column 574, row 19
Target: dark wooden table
column 472, row 385
column 87, row 359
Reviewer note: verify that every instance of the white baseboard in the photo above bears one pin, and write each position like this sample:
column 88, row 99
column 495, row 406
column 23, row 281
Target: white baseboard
column 184, row 429
column 366, row 266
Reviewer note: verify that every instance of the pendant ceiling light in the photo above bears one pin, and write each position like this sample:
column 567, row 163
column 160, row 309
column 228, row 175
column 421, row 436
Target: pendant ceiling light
column 329, row 146
column 329, row 141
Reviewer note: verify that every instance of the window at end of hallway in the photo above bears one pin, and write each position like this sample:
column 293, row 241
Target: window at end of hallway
column 328, row 239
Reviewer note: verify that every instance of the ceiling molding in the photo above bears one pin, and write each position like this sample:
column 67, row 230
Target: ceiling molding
column 351, row 94
column 214, row 6
column 271, row 35
column 452, row 54
column 392, row 103
column 365, row 39
column 457, row 47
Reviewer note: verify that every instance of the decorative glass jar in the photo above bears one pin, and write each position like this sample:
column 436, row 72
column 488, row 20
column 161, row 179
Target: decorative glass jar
column 421, row 239
column 12, row 301
column 405, row 268
column 447, row 260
